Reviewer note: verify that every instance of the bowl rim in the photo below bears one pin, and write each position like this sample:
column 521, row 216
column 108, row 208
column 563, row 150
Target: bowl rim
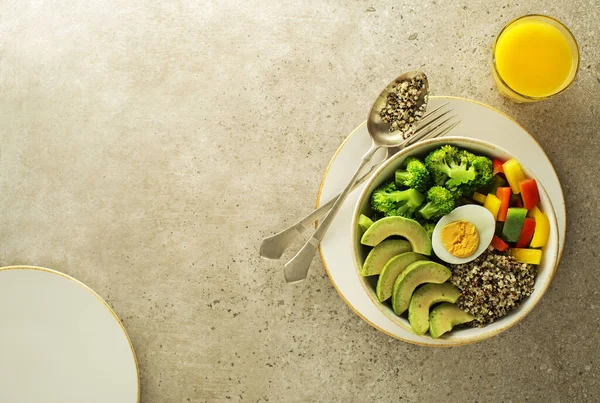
column 426, row 340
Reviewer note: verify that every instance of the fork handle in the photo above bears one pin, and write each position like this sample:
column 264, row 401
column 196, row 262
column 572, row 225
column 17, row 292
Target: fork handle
column 297, row 268
column 273, row 247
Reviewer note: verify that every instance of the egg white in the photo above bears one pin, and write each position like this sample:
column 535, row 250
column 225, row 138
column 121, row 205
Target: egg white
column 479, row 216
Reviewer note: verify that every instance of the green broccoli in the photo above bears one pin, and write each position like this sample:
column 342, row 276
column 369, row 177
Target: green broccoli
column 440, row 201
column 390, row 201
column 483, row 176
column 450, row 166
column 405, row 210
column 458, row 191
column 460, row 171
column 484, row 171
column 429, row 227
column 467, row 156
column 415, row 175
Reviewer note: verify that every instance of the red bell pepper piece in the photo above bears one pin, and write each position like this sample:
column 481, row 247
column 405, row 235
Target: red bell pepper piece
column 530, row 194
column 497, row 167
column 526, row 233
column 499, row 244
column 504, row 195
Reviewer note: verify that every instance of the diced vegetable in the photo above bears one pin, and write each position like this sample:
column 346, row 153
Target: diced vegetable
column 496, row 182
column 364, row 222
column 513, row 199
column 499, row 226
column 542, row 228
column 504, row 195
column 499, row 244
column 530, row 194
column 514, row 224
column 497, row 167
column 514, row 174
column 492, row 203
column 478, row 197
column 526, row 233
column 531, row 256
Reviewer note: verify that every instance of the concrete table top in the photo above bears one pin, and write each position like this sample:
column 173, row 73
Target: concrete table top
column 148, row 146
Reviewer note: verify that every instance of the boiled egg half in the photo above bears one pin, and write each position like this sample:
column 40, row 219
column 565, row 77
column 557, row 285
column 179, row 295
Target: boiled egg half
column 463, row 234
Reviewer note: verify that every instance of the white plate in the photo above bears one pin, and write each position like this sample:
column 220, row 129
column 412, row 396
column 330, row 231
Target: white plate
column 479, row 121
column 60, row 342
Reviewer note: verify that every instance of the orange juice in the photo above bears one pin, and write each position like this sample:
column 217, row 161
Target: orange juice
column 534, row 57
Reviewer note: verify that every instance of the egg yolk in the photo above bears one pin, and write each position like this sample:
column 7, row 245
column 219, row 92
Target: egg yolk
column 460, row 238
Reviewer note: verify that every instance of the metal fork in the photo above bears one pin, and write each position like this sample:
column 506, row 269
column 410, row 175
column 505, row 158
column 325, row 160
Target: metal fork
column 273, row 246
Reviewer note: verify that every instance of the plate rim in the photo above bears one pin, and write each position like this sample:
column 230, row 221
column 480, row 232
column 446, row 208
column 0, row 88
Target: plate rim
column 318, row 201
column 98, row 297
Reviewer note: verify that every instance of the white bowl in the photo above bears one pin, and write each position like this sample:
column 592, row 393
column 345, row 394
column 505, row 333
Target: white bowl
column 462, row 336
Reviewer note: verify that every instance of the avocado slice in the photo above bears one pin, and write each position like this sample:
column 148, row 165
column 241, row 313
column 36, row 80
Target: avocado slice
column 390, row 226
column 381, row 254
column 364, row 223
column 424, row 298
column 416, row 274
column 444, row 317
column 391, row 271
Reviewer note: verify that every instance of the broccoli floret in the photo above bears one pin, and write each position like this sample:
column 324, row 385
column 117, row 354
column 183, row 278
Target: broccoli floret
column 484, row 171
column 405, row 210
column 450, row 166
column 389, row 186
column 467, row 156
column 390, row 201
column 458, row 170
column 400, row 212
column 440, row 201
column 429, row 227
column 483, row 176
column 458, row 191
column 415, row 175
column 379, row 203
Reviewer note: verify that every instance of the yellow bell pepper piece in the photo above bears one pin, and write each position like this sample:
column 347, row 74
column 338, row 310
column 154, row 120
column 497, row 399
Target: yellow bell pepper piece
column 542, row 228
column 523, row 255
column 492, row 203
column 479, row 198
column 514, row 175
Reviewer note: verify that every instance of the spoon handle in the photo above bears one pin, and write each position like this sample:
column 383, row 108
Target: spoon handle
column 297, row 268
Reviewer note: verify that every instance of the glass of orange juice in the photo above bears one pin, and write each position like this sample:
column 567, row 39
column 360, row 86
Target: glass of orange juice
column 534, row 57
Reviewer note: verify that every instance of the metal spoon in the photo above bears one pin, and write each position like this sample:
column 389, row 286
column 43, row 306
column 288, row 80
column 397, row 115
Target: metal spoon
column 297, row 268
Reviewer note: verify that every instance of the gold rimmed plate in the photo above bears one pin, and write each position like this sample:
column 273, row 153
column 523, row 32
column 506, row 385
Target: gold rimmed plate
column 479, row 121
column 60, row 342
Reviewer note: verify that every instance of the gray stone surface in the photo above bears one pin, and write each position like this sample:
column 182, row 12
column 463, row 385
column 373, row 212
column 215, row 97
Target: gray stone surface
column 148, row 146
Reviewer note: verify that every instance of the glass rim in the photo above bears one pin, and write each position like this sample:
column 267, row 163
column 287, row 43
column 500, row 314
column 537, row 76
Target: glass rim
column 563, row 26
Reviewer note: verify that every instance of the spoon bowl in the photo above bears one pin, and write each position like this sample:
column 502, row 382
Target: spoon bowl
column 379, row 129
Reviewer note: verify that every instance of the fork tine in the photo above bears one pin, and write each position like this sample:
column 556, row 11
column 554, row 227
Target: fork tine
column 425, row 129
column 430, row 133
column 428, row 114
column 444, row 131
column 435, row 134
column 430, row 122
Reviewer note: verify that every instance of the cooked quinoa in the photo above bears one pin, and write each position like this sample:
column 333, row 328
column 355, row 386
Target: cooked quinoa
column 492, row 285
